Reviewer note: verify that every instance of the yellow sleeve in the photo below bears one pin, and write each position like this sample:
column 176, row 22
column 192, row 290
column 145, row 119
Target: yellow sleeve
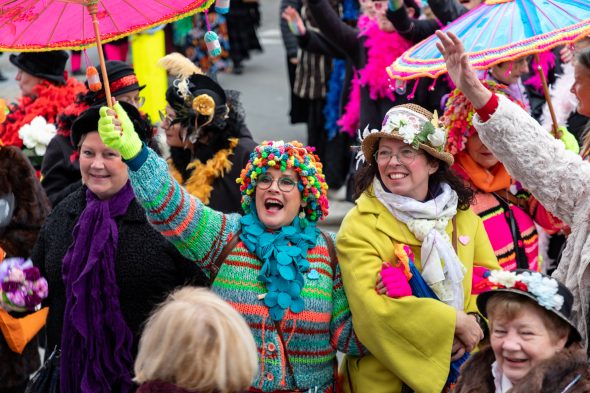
column 411, row 337
column 483, row 255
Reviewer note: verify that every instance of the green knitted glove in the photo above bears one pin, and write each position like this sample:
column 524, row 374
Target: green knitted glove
column 395, row 4
column 569, row 140
column 127, row 143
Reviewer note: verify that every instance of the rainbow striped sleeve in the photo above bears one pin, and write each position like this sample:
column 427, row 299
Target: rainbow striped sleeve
column 196, row 230
column 342, row 334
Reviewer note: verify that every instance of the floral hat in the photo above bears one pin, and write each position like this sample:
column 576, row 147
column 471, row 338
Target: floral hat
column 280, row 155
column 458, row 116
column 412, row 124
column 546, row 291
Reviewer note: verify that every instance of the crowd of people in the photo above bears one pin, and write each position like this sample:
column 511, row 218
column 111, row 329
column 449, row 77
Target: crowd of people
column 197, row 263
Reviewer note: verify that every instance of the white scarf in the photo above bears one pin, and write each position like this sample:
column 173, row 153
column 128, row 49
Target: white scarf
column 428, row 221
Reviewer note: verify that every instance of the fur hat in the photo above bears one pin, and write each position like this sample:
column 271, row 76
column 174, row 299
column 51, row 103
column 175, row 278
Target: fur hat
column 88, row 122
column 46, row 65
column 413, row 125
column 291, row 155
column 546, row 291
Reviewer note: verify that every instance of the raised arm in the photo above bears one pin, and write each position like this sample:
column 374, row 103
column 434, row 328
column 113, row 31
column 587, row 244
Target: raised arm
column 558, row 178
column 197, row 231
column 335, row 29
column 414, row 30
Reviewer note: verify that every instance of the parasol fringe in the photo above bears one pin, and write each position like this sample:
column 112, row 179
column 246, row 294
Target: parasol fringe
column 179, row 66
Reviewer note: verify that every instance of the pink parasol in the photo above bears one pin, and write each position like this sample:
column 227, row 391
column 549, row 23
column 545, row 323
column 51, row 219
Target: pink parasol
column 44, row 25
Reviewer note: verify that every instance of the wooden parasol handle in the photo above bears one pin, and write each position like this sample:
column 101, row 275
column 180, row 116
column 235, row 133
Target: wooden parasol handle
column 554, row 125
column 92, row 10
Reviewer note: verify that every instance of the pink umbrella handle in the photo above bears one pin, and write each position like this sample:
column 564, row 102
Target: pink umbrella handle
column 92, row 10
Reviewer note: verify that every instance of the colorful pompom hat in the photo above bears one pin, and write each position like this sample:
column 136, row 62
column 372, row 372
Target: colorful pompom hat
column 413, row 125
column 288, row 155
column 458, row 116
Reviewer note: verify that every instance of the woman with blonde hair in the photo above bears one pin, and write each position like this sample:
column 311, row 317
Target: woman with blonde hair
column 195, row 342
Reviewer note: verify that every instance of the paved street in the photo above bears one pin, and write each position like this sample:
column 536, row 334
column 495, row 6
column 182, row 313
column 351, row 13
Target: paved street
column 264, row 87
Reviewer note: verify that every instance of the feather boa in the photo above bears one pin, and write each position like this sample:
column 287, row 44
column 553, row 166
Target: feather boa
column 547, row 60
column 49, row 101
column 564, row 101
column 349, row 122
column 332, row 107
column 200, row 182
column 382, row 49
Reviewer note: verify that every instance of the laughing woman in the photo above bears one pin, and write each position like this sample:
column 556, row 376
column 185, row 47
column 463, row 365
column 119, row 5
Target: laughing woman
column 410, row 206
column 272, row 265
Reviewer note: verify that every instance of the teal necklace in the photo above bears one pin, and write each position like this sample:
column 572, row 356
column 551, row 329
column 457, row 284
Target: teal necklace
column 283, row 254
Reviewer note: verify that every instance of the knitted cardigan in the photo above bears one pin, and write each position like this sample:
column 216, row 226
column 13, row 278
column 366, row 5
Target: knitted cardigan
column 312, row 337
column 559, row 179
column 526, row 213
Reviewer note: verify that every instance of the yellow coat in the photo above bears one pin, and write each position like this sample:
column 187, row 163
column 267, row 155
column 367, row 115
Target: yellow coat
column 409, row 338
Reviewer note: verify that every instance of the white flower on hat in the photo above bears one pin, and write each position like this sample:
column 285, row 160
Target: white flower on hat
column 502, row 277
column 544, row 288
column 408, row 132
column 37, row 134
column 437, row 138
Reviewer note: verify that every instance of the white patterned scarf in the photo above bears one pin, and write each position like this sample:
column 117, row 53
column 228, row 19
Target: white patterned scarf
column 441, row 268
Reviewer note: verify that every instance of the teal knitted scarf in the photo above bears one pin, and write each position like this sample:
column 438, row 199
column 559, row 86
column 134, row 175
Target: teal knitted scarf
column 283, row 253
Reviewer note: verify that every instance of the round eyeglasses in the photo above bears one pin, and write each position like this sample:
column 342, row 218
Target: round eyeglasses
column 404, row 156
column 284, row 183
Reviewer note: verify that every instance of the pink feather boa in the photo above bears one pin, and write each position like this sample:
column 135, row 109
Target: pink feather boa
column 382, row 49
column 547, row 60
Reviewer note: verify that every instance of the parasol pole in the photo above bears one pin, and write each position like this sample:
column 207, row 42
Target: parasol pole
column 93, row 10
column 554, row 129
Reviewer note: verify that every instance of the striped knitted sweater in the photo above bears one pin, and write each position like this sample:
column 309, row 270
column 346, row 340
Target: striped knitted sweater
column 528, row 212
column 312, row 337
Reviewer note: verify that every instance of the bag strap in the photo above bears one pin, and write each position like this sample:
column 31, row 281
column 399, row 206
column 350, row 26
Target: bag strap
column 216, row 265
column 522, row 261
column 331, row 250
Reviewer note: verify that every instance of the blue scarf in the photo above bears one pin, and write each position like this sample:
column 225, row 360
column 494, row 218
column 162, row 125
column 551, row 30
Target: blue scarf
column 96, row 341
column 283, row 254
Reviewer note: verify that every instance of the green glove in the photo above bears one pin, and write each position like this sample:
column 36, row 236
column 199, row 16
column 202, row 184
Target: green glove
column 127, row 142
column 569, row 140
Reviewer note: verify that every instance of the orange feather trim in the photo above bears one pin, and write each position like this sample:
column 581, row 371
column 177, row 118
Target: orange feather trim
column 49, row 101
column 200, row 183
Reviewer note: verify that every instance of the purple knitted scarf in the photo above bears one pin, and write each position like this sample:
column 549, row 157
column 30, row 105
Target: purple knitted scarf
column 96, row 342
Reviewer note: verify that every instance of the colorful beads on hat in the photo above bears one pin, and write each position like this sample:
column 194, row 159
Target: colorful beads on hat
column 222, row 6
column 212, row 42
column 93, row 79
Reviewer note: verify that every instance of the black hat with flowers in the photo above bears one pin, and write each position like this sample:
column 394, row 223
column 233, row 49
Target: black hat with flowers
column 547, row 292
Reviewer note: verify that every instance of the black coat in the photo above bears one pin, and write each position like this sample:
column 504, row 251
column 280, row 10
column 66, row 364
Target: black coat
column 60, row 169
column 147, row 266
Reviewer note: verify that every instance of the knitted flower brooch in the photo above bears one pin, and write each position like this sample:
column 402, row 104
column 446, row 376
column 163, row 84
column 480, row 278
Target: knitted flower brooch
column 291, row 155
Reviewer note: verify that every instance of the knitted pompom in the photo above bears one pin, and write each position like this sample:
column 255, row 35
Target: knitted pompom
column 93, row 79
column 212, row 42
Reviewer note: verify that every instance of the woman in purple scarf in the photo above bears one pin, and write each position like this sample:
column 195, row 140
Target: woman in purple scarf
column 106, row 267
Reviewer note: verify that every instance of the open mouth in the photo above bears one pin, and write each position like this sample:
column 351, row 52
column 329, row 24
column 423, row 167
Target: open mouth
column 515, row 361
column 273, row 204
column 100, row 177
